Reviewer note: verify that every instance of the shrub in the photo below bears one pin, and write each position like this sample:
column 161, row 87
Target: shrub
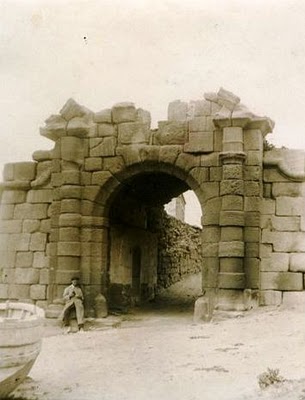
column 270, row 377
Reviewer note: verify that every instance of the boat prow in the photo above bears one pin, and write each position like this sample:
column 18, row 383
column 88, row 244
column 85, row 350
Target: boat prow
column 20, row 343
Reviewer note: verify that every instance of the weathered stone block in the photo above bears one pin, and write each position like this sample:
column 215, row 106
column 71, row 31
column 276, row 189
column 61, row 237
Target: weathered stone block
column 253, row 140
column 19, row 241
column 4, row 291
column 231, row 280
column 252, row 188
column 90, row 192
column 107, row 130
column 72, row 109
column 72, row 149
column 252, row 234
column 200, row 142
column 24, row 259
column 70, row 206
column 40, row 260
column 232, row 171
column 30, row 211
column 252, row 218
column 68, row 263
column 252, row 250
column 70, row 192
column 290, row 242
column 8, row 172
column 40, row 196
column 186, row 162
column 6, row 211
column 13, row 196
column 16, row 291
column 231, row 264
column 93, row 164
column 177, row 111
column 290, row 206
column 30, row 225
column 231, row 187
column 294, row 299
column 101, row 177
column 45, row 226
column 38, row 292
column 270, row 298
column 69, row 234
column 149, row 153
column 211, row 160
column 85, row 178
column 211, row 211
column 297, row 262
column 283, row 224
column 267, row 187
column 201, row 124
column 202, row 310
column 233, row 139
column 11, row 226
column 201, row 108
column 210, row 234
column 289, row 189
column 64, row 277
column 289, row 281
column 113, row 164
column 199, row 174
column 210, row 249
column 103, row 147
column 232, row 203
column 215, row 174
column 210, row 270
column 252, row 173
column 254, row 158
column 170, row 132
column 24, row 171
column 73, row 220
column 232, row 218
column 103, row 116
column 273, row 175
column 231, row 249
column 277, row 262
column 231, row 233
column 38, row 241
column 252, row 271
column 68, row 249
column 268, row 206
column 26, row 276
column 124, row 112
column 44, row 277
column 210, row 191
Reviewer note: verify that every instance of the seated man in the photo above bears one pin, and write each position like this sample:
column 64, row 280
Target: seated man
column 74, row 298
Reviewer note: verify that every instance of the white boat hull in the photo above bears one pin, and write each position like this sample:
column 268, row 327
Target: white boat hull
column 20, row 343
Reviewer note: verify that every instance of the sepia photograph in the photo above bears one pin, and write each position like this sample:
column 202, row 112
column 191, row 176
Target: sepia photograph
column 152, row 200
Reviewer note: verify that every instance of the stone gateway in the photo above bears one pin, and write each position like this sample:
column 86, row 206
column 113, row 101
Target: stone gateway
column 88, row 207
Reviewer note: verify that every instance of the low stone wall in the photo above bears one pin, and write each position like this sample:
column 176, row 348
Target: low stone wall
column 179, row 250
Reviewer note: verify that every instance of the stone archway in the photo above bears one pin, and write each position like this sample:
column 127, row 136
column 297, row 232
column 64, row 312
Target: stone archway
column 59, row 205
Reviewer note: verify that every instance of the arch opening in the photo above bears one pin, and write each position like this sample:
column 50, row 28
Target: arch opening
column 150, row 252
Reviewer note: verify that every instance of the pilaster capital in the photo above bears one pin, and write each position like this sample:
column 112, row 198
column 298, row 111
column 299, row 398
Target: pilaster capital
column 232, row 157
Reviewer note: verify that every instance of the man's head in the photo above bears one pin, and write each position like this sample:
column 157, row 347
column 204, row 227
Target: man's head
column 75, row 281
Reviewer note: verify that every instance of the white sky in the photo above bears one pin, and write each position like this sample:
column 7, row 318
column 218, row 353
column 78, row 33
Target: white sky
column 148, row 52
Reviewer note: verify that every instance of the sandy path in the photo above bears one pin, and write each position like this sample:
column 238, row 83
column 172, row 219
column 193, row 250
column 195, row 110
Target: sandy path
column 155, row 356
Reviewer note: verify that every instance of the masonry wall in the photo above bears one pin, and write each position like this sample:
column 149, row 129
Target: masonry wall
column 179, row 249
column 24, row 234
column 283, row 228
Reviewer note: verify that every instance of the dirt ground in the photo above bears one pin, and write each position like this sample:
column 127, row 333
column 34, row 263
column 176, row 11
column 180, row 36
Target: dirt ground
column 159, row 353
